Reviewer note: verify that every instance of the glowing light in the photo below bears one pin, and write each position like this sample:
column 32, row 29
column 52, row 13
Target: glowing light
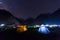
column 31, row 26
column 50, row 26
column 22, row 28
column 46, row 25
column 44, row 30
column 2, row 25
column 42, row 25
column 54, row 25
column 36, row 26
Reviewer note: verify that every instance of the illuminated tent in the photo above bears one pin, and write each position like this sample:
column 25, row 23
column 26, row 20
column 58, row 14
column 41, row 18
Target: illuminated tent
column 22, row 28
column 44, row 30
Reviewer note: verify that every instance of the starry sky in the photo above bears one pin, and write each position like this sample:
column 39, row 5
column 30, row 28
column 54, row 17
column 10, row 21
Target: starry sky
column 29, row 8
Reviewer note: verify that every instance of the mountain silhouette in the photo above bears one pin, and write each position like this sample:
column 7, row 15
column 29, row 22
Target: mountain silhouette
column 6, row 17
column 43, row 16
column 4, row 14
column 56, row 13
column 50, row 18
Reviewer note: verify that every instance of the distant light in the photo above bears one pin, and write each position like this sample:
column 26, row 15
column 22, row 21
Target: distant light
column 46, row 25
column 42, row 25
column 2, row 25
column 44, row 30
column 36, row 26
column 31, row 26
column 53, row 26
column 50, row 26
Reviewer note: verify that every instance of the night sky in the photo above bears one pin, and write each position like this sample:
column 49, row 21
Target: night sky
column 29, row 8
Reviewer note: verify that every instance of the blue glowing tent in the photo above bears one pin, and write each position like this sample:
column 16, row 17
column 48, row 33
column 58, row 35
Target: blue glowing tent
column 44, row 30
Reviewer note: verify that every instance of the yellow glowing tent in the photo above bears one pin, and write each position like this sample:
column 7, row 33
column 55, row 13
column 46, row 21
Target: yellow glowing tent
column 22, row 28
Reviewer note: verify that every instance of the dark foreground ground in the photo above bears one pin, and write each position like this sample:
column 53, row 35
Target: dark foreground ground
column 29, row 35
